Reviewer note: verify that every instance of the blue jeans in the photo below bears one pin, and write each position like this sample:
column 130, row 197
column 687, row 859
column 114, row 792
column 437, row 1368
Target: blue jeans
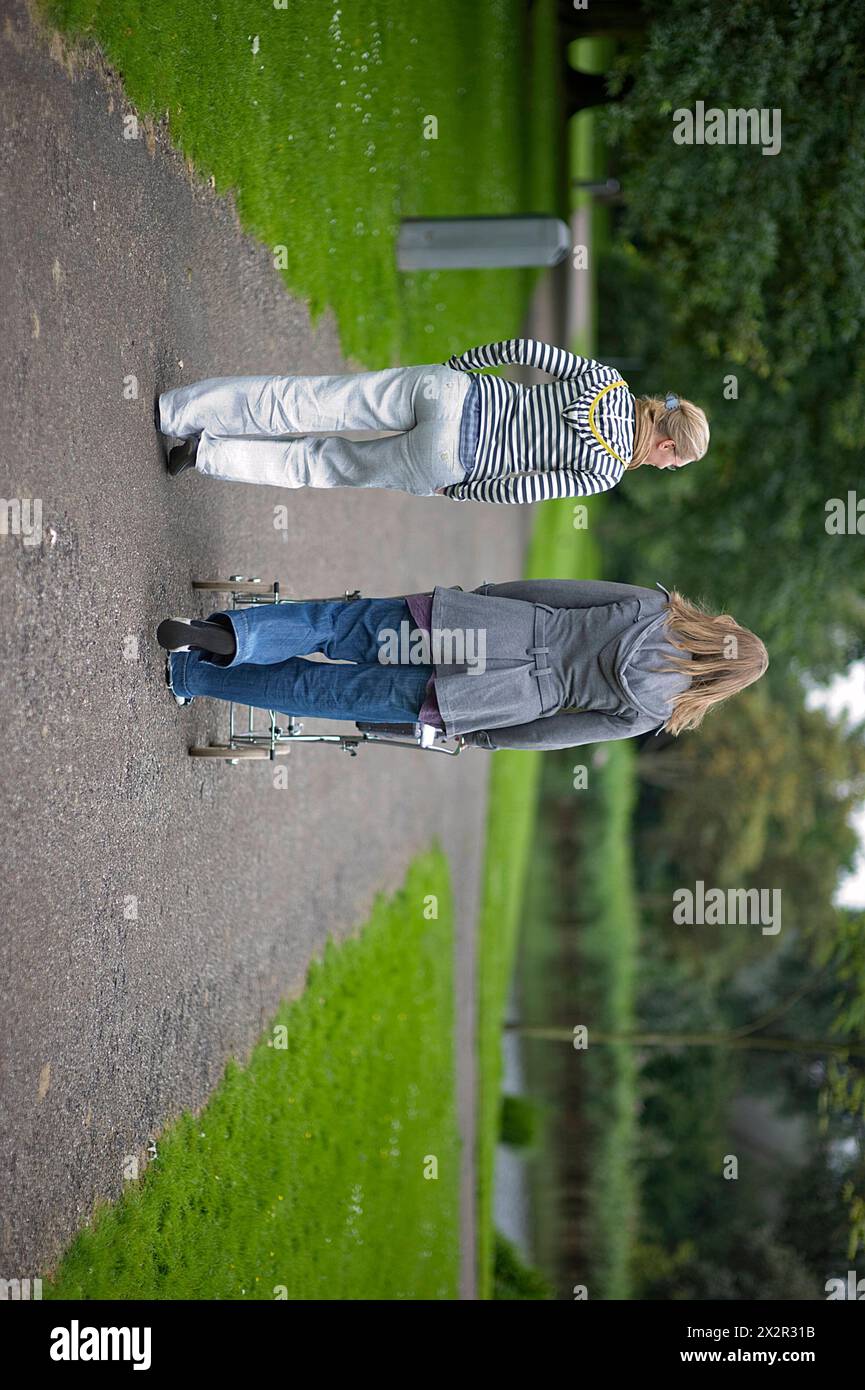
column 268, row 669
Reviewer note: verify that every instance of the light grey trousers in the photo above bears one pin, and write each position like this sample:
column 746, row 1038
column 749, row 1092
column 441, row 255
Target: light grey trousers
column 242, row 423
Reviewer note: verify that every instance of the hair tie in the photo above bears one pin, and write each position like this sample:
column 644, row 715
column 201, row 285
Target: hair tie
column 671, row 401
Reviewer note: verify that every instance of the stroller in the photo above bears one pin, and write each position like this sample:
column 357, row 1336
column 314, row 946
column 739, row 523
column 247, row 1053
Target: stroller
column 278, row 738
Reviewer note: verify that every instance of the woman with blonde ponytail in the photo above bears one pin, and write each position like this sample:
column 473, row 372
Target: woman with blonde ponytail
column 454, row 429
column 668, row 433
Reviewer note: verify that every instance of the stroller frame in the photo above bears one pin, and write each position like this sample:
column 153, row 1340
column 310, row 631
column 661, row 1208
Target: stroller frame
column 277, row 740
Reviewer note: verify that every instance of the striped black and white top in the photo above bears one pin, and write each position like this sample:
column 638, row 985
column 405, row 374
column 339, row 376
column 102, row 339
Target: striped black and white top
column 570, row 438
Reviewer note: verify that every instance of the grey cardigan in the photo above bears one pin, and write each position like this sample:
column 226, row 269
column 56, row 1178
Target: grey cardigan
column 566, row 662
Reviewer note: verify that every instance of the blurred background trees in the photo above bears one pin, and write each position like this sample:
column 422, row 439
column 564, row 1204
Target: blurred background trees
column 731, row 264
column 738, row 280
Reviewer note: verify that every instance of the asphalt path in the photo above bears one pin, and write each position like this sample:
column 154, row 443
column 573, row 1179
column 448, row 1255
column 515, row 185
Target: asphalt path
column 157, row 908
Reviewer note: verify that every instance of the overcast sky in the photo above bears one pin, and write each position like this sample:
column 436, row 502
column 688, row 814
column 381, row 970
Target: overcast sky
column 845, row 699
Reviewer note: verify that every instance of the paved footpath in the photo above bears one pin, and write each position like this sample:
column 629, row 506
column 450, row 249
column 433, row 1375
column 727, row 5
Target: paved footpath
column 126, row 267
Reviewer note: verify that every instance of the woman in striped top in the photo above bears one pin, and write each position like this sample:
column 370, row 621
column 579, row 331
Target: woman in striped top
column 453, row 429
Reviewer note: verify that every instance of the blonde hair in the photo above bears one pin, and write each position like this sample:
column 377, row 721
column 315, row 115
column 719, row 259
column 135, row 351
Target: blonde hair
column 724, row 658
column 685, row 424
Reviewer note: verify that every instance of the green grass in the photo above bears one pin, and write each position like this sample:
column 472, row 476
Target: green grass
column 517, row 912
column 609, row 950
column 547, row 1071
column 578, row 960
column 320, row 134
column 306, row 1169
column 559, row 551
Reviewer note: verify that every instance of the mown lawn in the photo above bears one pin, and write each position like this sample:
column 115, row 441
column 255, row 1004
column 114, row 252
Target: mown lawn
column 331, row 122
column 557, row 552
column 579, row 962
column 328, row 1166
column 606, row 993
column 604, row 896
column 610, row 942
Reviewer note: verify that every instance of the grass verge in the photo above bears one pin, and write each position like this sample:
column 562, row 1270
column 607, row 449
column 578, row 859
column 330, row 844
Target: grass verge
column 609, row 939
column 329, row 123
column 559, row 552
column 608, row 952
column 304, row 1163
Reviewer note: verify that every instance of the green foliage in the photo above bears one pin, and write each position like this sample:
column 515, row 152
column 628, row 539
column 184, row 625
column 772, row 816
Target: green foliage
column 745, row 528
column 762, row 258
column 513, row 1278
column 749, row 1264
column 738, row 280
column 844, row 1093
column 520, row 1122
column 684, row 1098
column 593, row 981
column 814, row 1219
column 760, row 796
column 735, row 264
column 844, row 951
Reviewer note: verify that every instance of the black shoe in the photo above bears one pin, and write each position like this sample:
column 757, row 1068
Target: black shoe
column 181, row 634
column 182, row 456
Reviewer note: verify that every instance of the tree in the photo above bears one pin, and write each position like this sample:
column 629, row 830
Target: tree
column 519, row 1122
column 762, row 795
column 763, row 256
column 512, row 1278
column 740, row 278
column 746, row 527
